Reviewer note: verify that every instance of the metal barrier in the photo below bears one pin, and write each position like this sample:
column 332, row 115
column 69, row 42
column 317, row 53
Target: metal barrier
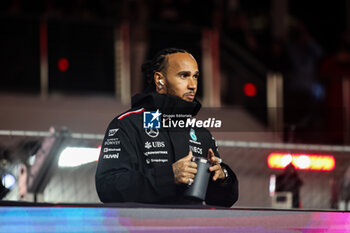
column 320, row 189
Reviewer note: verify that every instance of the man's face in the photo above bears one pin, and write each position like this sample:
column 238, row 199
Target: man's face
column 181, row 76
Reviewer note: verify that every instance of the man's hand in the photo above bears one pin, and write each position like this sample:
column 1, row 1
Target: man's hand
column 219, row 173
column 184, row 170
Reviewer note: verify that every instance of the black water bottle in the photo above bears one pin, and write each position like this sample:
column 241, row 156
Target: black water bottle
column 199, row 187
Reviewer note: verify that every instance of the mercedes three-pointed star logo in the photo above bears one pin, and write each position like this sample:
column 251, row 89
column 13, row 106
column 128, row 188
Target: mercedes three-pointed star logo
column 153, row 133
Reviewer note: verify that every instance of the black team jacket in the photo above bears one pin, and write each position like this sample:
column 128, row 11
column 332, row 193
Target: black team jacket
column 135, row 164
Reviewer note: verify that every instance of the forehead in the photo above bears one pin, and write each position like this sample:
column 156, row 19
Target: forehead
column 182, row 61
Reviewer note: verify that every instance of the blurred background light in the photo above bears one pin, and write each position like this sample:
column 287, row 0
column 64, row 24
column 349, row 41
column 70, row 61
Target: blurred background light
column 301, row 161
column 249, row 89
column 63, row 64
column 8, row 180
column 272, row 185
column 76, row 156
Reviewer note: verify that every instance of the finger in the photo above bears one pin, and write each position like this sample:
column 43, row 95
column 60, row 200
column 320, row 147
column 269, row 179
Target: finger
column 216, row 160
column 216, row 176
column 190, row 170
column 186, row 180
column 183, row 180
column 188, row 157
column 215, row 168
column 212, row 157
column 219, row 174
column 188, row 175
column 211, row 154
column 191, row 164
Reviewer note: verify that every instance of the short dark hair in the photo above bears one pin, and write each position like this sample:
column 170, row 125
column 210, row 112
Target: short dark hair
column 158, row 63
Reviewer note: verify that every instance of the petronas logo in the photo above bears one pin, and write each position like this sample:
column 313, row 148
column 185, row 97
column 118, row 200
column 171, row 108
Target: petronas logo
column 193, row 135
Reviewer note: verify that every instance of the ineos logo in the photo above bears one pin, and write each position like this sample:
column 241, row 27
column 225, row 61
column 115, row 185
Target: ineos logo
column 153, row 133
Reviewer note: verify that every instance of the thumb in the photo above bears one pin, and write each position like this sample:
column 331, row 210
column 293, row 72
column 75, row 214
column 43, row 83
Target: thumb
column 210, row 153
column 189, row 156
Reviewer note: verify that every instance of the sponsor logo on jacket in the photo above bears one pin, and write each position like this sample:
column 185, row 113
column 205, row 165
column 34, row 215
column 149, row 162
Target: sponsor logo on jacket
column 153, row 133
column 111, row 156
column 112, row 132
column 196, row 149
column 112, row 141
column 106, row 149
column 193, row 134
column 155, row 144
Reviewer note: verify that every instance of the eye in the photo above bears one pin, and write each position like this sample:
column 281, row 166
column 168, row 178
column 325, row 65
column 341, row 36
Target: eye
column 183, row 75
column 196, row 76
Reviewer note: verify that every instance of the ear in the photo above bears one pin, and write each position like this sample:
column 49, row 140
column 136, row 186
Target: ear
column 160, row 83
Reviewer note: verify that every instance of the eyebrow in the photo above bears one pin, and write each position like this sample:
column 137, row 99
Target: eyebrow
column 187, row 73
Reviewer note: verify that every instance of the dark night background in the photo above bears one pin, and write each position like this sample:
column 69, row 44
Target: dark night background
column 82, row 32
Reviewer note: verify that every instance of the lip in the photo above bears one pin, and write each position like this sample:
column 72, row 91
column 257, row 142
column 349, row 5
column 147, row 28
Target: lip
column 190, row 96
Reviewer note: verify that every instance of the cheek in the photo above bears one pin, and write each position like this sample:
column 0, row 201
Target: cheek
column 182, row 88
column 178, row 87
column 172, row 89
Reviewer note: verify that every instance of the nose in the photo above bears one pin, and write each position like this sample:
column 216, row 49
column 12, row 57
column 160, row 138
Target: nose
column 192, row 84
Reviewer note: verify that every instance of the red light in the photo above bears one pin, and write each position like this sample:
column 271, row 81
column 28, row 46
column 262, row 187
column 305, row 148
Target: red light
column 249, row 89
column 301, row 161
column 63, row 64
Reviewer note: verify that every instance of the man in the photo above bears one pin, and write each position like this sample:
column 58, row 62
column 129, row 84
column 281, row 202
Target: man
column 289, row 181
column 148, row 165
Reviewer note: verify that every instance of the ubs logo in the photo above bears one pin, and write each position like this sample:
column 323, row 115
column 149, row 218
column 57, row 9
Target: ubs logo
column 148, row 145
column 157, row 144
